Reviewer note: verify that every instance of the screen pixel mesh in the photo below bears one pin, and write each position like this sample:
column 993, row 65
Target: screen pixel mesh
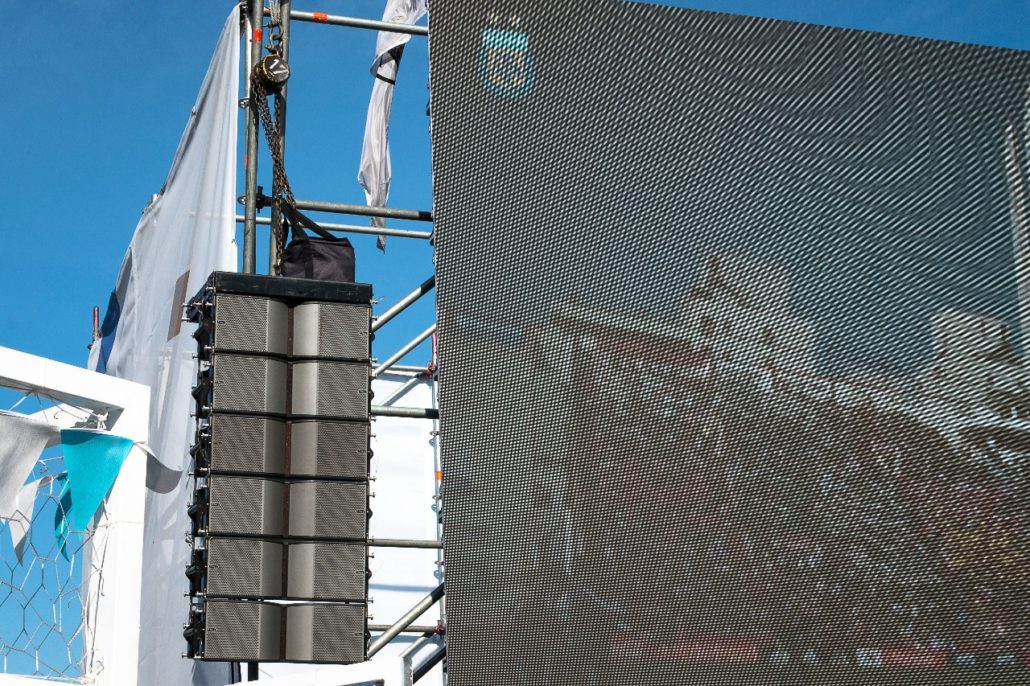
column 732, row 386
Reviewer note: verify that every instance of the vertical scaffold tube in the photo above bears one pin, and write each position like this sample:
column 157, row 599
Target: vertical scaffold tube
column 255, row 10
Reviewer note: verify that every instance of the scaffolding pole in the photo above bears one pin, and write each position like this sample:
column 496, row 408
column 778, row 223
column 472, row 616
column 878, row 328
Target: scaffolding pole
column 404, row 543
column 407, row 412
column 408, row 347
column 254, row 12
column 351, row 228
column 430, row 662
column 434, row 389
column 411, row 369
column 403, row 388
column 364, row 210
column 401, row 624
column 408, row 655
column 412, row 628
column 356, row 23
column 424, row 288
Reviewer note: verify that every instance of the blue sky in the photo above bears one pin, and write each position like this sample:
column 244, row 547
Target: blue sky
column 98, row 94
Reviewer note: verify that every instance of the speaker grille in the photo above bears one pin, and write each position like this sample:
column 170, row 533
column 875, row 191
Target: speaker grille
column 248, row 444
column 328, row 509
column 249, row 384
column 244, row 567
column 331, row 330
column 326, row 448
column 246, row 505
column 331, row 389
column 325, row 633
column 242, row 631
column 327, row 571
column 249, row 324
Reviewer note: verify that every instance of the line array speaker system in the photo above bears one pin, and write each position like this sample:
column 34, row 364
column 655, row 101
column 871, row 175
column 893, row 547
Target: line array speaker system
column 281, row 462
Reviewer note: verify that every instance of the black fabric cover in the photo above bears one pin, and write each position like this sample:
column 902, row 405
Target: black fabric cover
column 327, row 258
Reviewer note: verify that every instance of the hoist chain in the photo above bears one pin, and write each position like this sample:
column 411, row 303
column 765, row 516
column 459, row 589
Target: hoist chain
column 279, row 181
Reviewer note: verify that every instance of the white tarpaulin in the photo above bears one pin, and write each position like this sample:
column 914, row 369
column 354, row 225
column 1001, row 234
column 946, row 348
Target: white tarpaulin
column 374, row 171
column 21, row 441
column 184, row 235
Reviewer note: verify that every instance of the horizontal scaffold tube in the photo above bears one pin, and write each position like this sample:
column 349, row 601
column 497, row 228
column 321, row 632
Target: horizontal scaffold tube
column 356, row 23
column 352, row 228
column 403, row 543
column 412, row 629
column 410, row 412
column 363, row 210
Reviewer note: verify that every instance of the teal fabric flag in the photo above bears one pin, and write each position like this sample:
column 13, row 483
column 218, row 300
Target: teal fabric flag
column 61, row 516
column 93, row 460
column 64, row 506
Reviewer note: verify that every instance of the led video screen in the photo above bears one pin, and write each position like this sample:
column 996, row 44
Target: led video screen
column 732, row 323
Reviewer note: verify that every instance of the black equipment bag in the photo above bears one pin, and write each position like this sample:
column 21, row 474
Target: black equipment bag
column 326, row 258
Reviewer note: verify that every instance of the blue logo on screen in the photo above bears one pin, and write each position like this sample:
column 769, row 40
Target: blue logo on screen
column 505, row 64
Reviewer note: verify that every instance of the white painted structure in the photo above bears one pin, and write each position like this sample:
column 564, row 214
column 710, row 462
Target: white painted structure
column 112, row 567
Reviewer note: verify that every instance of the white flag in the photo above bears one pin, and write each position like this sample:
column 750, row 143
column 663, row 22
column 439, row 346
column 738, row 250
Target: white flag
column 187, row 232
column 22, row 439
column 22, row 516
column 374, row 170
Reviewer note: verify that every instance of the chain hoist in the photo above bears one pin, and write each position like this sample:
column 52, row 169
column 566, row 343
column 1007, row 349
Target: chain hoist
column 268, row 78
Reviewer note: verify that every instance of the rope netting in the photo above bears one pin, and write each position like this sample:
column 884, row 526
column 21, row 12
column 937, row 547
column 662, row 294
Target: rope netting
column 44, row 618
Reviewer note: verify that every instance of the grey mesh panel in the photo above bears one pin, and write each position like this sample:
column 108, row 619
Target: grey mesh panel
column 242, row 631
column 246, row 505
column 252, row 444
column 250, row 324
column 731, row 371
column 331, row 389
column 325, row 448
column 249, row 384
column 331, row 330
column 325, row 633
column 244, row 567
column 329, row 509
column 327, row 571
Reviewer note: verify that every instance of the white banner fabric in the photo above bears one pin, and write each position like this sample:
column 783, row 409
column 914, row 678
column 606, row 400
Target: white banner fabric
column 374, row 171
column 185, row 234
